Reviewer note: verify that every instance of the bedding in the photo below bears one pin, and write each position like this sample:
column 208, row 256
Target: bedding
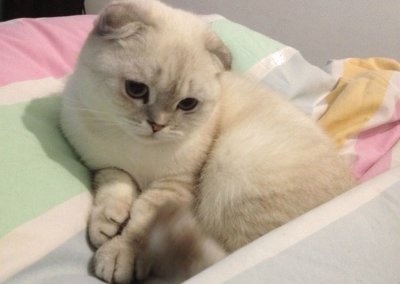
column 44, row 188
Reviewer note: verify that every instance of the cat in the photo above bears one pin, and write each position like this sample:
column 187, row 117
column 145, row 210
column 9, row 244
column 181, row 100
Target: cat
column 154, row 111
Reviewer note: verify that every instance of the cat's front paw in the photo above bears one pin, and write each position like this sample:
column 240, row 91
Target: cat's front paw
column 107, row 220
column 114, row 261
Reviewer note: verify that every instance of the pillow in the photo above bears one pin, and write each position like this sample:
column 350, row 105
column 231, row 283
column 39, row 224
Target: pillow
column 279, row 66
column 362, row 113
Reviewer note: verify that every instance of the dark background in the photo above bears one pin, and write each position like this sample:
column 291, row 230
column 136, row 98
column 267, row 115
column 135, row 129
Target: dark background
column 11, row 9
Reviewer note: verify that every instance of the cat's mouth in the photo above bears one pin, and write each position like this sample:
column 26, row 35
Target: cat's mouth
column 152, row 137
column 146, row 133
column 162, row 136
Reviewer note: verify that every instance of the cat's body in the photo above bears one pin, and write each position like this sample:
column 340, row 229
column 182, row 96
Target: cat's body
column 151, row 109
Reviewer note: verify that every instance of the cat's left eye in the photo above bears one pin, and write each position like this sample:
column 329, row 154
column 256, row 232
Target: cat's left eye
column 187, row 104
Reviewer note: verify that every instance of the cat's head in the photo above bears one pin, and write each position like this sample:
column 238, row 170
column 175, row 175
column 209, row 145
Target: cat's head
column 152, row 69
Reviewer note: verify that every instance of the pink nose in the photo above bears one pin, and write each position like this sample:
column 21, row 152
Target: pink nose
column 155, row 127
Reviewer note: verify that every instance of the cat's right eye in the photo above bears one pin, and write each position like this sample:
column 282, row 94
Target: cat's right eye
column 137, row 90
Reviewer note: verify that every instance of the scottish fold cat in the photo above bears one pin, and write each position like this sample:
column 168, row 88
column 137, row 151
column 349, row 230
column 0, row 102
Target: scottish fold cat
column 191, row 161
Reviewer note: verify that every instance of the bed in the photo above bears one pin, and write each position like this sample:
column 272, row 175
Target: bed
column 44, row 196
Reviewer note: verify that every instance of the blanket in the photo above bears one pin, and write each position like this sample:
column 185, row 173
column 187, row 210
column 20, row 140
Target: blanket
column 44, row 196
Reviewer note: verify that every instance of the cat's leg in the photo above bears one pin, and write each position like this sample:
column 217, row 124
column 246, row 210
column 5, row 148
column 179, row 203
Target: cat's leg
column 115, row 192
column 175, row 247
column 114, row 261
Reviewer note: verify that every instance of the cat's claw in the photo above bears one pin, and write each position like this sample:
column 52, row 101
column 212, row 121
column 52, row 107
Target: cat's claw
column 107, row 220
column 114, row 261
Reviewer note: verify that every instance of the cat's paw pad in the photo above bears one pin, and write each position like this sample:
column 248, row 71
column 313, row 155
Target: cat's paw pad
column 106, row 221
column 114, row 261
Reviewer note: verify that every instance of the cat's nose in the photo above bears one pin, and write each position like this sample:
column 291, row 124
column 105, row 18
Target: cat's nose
column 154, row 126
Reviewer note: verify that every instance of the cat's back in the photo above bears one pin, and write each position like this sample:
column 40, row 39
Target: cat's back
column 246, row 102
column 259, row 125
column 269, row 164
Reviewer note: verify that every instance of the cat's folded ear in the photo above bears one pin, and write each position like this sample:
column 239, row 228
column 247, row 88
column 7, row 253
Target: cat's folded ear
column 217, row 48
column 123, row 18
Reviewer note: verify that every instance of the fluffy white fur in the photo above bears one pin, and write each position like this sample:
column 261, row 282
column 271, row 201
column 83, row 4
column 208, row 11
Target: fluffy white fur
column 243, row 159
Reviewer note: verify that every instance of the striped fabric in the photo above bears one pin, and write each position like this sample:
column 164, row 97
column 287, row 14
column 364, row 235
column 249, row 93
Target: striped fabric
column 44, row 196
column 43, row 187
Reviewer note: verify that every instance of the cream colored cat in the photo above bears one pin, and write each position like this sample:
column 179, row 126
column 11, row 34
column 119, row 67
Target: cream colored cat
column 152, row 111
